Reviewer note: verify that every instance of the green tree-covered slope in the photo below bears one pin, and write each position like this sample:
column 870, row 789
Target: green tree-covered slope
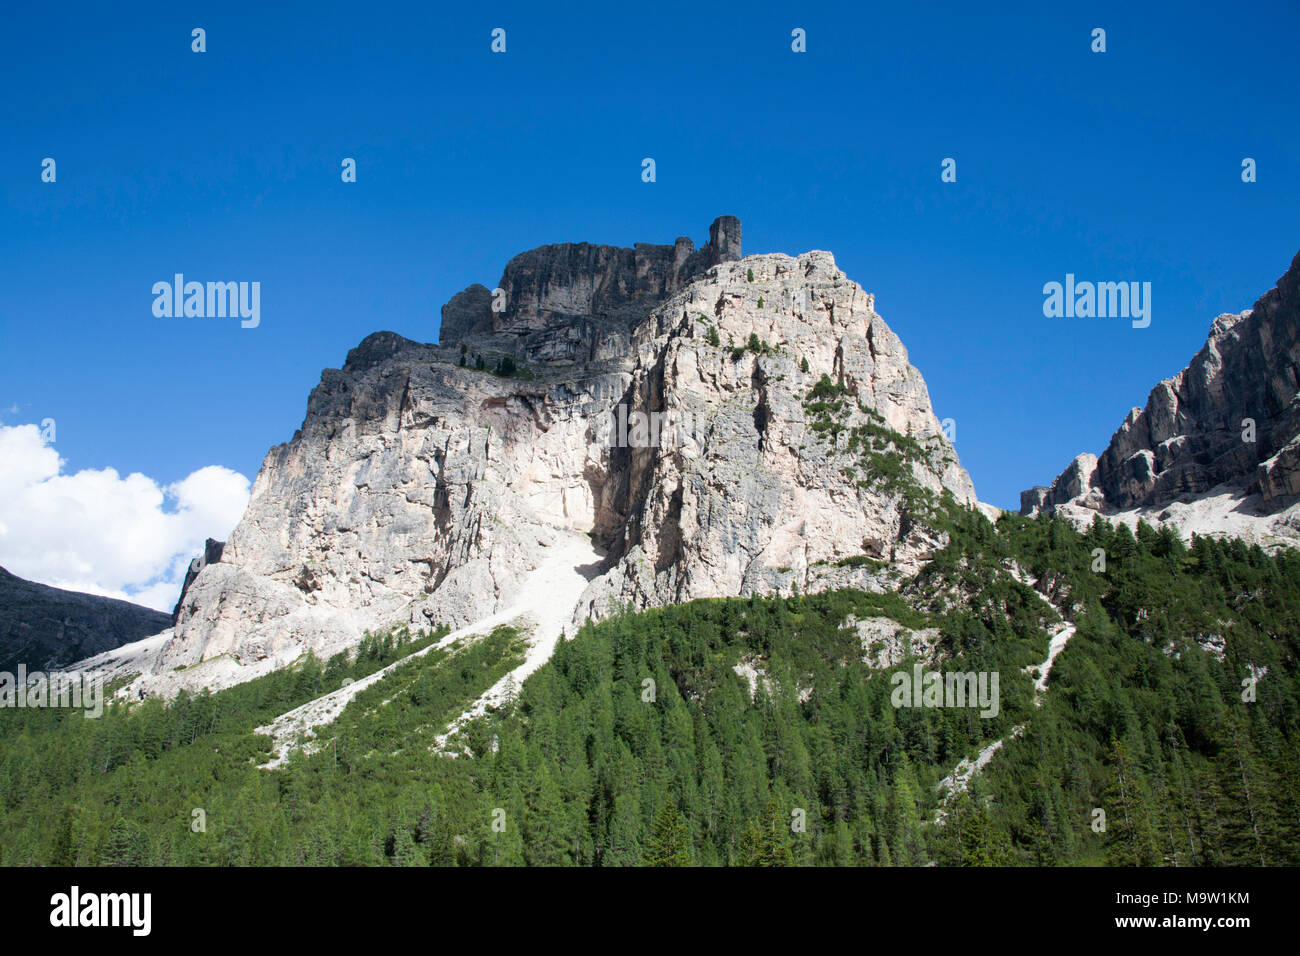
column 743, row 732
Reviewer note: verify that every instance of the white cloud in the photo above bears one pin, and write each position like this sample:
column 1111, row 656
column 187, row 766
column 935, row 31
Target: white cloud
column 98, row 532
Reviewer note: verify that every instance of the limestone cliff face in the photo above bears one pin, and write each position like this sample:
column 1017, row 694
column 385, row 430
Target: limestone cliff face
column 746, row 492
column 415, row 491
column 1194, row 434
column 796, row 448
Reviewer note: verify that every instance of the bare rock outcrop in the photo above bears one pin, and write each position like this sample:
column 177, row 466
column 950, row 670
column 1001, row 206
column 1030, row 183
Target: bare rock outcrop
column 579, row 302
column 1224, row 429
column 212, row 550
column 760, row 484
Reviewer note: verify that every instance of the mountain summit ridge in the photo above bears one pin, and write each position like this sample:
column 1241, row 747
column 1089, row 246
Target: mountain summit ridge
column 579, row 302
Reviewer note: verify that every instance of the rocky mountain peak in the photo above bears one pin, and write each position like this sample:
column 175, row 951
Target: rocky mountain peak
column 375, row 348
column 1227, row 426
column 793, row 446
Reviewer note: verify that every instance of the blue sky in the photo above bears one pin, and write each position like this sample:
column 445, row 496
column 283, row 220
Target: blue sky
column 225, row 165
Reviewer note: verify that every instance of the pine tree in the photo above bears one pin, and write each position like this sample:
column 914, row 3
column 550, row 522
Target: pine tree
column 1130, row 840
column 623, row 846
column 841, row 846
column 766, row 841
column 907, row 845
column 1248, row 813
column 406, row 852
column 64, row 852
column 549, row 840
column 670, row 844
column 504, row 844
column 125, row 845
column 980, row 846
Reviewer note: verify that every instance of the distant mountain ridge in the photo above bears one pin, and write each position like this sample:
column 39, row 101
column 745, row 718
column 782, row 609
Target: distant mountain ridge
column 1217, row 447
column 45, row 628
